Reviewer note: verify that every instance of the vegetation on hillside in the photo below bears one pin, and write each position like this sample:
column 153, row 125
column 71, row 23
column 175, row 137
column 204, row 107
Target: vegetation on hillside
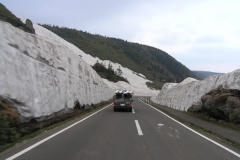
column 154, row 63
column 109, row 73
column 201, row 75
column 7, row 16
column 9, row 122
column 155, row 85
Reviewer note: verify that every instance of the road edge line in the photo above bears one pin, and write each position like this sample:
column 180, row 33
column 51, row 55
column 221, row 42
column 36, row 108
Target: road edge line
column 49, row 137
column 227, row 149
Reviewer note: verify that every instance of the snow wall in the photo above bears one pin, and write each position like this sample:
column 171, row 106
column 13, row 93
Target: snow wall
column 189, row 92
column 44, row 76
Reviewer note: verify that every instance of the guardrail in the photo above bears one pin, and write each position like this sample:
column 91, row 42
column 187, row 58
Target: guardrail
column 146, row 100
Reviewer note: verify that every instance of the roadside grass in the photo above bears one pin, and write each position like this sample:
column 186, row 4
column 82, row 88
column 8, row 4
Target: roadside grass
column 218, row 122
column 51, row 127
column 198, row 128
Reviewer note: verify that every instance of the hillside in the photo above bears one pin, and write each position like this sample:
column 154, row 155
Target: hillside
column 154, row 63
column 7, row 16
column 204, row 74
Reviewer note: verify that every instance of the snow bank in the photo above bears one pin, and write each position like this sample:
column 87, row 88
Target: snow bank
column 137, row 81
column 187, row 93
column 46, row 73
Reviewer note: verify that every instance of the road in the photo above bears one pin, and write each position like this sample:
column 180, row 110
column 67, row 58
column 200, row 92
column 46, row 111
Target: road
column 144, row 134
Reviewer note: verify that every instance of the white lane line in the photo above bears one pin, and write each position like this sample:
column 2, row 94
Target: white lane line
column 227, row 149
column 140, row 133
column 44, row 140
column 133, row 111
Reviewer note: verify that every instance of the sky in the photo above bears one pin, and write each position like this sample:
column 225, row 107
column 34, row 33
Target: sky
column 202, row 35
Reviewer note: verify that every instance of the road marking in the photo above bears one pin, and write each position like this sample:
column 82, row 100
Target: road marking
column 44, row 140
column 140, row 133
column 227, row 149
column 133, row 111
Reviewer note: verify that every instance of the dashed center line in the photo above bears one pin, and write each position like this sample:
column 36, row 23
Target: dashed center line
column 218, row 144
column 140, row 133
column 133, row 111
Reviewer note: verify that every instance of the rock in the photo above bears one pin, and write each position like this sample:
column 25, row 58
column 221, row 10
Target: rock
column 204, row 98
column 218, row 112
column 195, row 108
column 221, row 97
column 235, row 92
column 212, row 109
column 29, row 26
column 233, row 102
column 210, row 103
column 224, row 111
column 21, row 27
column 221, row 103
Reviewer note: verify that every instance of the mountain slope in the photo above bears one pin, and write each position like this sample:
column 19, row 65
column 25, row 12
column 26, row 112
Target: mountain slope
column 204, row 74
column 155, row 64
column 7, row 16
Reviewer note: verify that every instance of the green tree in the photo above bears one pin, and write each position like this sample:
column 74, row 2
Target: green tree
column 109, row 73
column 110, row 68
column 119, row 71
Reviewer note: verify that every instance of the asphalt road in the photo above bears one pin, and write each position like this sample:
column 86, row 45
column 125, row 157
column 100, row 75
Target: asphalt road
column 109, row 135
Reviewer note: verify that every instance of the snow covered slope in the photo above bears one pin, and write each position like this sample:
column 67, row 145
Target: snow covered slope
column 187, row 93
column 137, row 81
column 45, row 74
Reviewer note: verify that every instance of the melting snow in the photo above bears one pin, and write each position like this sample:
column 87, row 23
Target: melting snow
column 187, row 93
column 44, row 74
column 49, row 74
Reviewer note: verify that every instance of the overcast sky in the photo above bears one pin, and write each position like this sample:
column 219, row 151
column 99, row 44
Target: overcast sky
column 202, row 35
